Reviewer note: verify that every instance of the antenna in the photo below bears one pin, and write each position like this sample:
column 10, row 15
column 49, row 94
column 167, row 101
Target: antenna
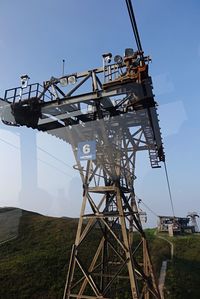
column 63, row 67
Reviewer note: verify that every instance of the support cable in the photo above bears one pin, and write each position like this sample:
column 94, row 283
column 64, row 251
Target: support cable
column 134, row 24
column 140, row 200
column 170, row 194
column 169, row 188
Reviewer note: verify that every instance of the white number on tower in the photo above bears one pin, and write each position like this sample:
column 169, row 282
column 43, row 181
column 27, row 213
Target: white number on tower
column 86, row 149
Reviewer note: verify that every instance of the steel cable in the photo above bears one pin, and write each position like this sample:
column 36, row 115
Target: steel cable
column 145, row 205
column 169, row 188
column 134, row 24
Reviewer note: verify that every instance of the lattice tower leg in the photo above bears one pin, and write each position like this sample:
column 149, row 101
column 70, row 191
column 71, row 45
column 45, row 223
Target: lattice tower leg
column 118, row 263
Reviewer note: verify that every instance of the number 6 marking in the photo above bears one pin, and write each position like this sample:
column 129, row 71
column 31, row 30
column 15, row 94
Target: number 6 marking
column 86, row 149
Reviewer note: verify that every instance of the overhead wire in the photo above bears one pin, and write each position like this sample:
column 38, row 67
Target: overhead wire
column 52, row 166
column 144, row 204
column 169, row 191
column 57, row 159
column 134, row 24
column 169, row 188
column 44, row 162
column 8, row 143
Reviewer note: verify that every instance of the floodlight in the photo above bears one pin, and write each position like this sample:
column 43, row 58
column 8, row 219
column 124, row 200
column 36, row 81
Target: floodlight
column 24, row 81
column 72, row 79
column 129, row 52
column 118, row 59
column 63, row 82
column 107, row 57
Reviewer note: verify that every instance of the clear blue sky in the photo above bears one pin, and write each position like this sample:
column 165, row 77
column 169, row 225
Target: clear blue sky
column 34, row 38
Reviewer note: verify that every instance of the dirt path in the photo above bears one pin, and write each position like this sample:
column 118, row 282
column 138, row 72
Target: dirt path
column 162, row 277
column 161, row 282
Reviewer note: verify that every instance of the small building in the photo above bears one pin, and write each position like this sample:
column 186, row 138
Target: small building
column 175, row 225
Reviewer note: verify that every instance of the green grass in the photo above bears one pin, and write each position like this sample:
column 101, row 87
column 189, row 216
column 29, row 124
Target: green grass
column 159, row 249
column 35, row 264
column 183, row 274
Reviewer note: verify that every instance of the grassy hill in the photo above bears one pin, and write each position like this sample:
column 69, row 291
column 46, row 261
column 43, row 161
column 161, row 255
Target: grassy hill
column 183, row 274
column 34, row 265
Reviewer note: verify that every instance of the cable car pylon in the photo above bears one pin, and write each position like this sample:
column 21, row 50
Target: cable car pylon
column 106, row 125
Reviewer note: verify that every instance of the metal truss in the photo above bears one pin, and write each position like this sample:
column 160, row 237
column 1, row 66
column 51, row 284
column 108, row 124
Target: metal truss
column 118, row 264
column 113, row 106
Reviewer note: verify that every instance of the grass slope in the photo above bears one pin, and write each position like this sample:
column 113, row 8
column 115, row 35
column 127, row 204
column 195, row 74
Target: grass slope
column 183, row 274
column 35, row 264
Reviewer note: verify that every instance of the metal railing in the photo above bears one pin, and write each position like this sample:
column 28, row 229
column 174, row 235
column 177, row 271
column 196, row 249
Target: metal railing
column 35, row 90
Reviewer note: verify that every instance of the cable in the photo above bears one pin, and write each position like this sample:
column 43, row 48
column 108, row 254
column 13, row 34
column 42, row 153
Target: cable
column 14, row 146
column 132, row 21
column 138, row 42
column 41, row 149
column 154, row 213
column 170, row 194
column 169, row 188
column 63, row 172
column 134, row 24
column 9, row 143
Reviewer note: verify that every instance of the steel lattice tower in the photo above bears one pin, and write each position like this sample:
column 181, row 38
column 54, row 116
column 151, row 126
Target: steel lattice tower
column 116, row 115
column 111, row 216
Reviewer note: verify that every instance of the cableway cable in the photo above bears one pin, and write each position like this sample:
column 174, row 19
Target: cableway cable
column 134, row 24
column 145, row 205
column 139, row 46
column 170, row 195
column 169, row 188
